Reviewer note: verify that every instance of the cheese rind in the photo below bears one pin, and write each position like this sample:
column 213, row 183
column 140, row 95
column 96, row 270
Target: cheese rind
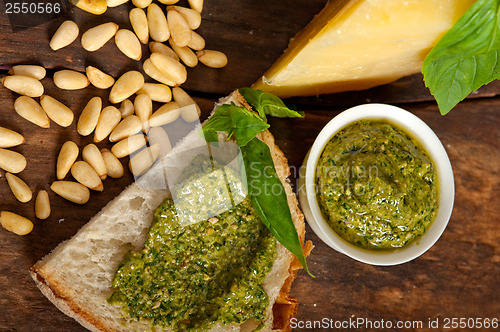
column 359, row 44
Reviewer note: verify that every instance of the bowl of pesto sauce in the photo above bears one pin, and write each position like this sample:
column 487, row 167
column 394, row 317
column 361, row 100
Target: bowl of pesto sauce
column 377, row 185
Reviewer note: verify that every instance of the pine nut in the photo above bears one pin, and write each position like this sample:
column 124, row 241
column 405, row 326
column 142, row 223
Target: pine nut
column 141, row 3
column 65, row 35
column 152, row 71
column 15, row 223
column 86, row 175
column 70, row 80
column 156, row 47
column 213, row 59
column 115, row 3
column 12, row 161
column 89, row 117
column 157, row 92
column 158, row 135
column 157, row 23
column 167, row 113
column 185, row 54
column 113, row 165
column 71, row 191
column 66, row 158
column 10, row 138
column 197, row 42
column 128, row 84
column 131, row 125
column 196, row 5
column 95, row 38
column 144, row 159
column 108, row 120
column 168, row 2
column 143, row 109
column 179, row 27
column 19, row 188
column 127, row 107
column 57, row 111
column 96, row 7
column 128, row 145
column 170, row 67
column 42, row 205
column 29, row 109
column 190, row 111
column 127, row 42
column 139, row 23
column 98, row 78
column 93, row 156
column 23, row 85
column 37, row 72
column 192, row 17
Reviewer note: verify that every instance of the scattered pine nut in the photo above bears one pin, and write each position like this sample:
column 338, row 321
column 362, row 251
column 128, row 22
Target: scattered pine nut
column 196, row 5
column 71, row 191
column 131, row 125
column 185, row 54
column 192, row 17
column 113, row 165
column 23, row 85
column 12, row 161
column 213, row 59
column 167, row 113
column 65, row 35
column 179, row 28
column 29, row 109
column 89, row 117
column 157, row 23
column 10, row 138
column 128, row 145
column 98, row 78
column 197, row 42
column 93, row 156
column 95, row 38
column 57, row 111
column 86, row 175
column 128, row 44
column 169, row 67
column 15, row 223
column 115, row 3
column 128, row 84
column 42, row 205
column 127, row 107
column 70, row 80
column 190, row 111
column 66, row 158
column 139, row 22
column 156, row 47
column 168, row 2
column 157, row 92
column 143, row 109
column 109, row 118
column 96, row 7
column 141, row 3
column 158, row 135
column 144, row 159
column 19, row 188
column 36, row 72
column 152, row 71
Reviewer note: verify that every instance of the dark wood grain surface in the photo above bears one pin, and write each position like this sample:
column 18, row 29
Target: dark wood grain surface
column 458, row 277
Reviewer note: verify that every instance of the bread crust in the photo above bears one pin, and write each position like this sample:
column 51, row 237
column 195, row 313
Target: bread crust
column 284, row 308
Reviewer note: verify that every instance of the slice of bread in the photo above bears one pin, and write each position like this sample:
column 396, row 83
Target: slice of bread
column 76, row 276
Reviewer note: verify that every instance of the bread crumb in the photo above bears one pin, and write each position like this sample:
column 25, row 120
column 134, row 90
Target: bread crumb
column 61, row 220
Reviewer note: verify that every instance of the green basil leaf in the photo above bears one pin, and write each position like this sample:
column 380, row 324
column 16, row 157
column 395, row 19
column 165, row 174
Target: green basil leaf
column 267, row 103
column 246, row 127
column 466, row 57
column 269, row 197
column 220, row 121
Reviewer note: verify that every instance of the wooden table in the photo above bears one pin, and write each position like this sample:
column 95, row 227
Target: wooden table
column 459, row 277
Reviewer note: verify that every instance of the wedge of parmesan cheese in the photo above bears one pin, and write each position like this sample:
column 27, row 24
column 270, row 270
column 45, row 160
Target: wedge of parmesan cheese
column 359, row 44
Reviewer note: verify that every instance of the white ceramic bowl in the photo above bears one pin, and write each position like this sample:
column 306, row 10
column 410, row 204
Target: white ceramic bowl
column 431, row 143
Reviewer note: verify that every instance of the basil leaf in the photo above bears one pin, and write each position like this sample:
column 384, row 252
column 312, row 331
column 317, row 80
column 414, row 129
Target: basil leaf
column 269, row 197
column 466, row 57
column 267, row 103
column 220, row 121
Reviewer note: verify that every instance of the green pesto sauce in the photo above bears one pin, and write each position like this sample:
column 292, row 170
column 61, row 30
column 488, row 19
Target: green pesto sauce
column 376, row 186
column 189, row 277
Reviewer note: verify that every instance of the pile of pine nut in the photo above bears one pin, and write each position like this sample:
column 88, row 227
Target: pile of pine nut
column 133, row 126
